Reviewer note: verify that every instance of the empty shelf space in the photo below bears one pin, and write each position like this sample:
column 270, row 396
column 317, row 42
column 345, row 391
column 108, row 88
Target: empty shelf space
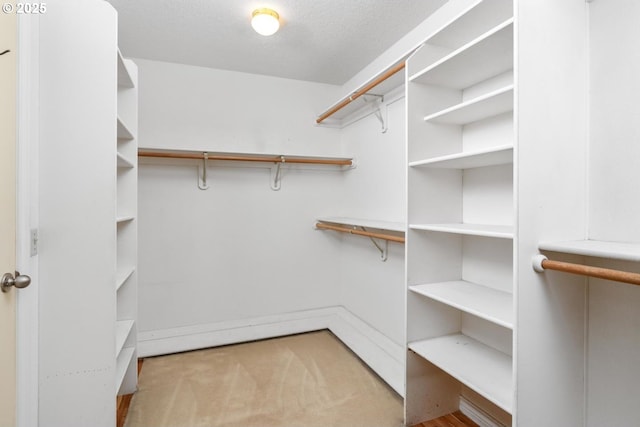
column 124, row 76
column 367, row 223
column 472, row 159
column 481, row 301
column 596, row 248
column 123, row 276
column 123, row 130
column 124, row 163
column 485, row 230
column 488, row 105
column 487, row 56
column 122, row 364
column 123, row 329
column 478, row 366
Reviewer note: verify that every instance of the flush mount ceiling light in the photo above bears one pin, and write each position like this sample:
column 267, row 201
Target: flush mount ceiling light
column 265, row 21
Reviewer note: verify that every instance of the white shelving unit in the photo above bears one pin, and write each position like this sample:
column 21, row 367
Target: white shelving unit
column 460, row 257
column 126, row 228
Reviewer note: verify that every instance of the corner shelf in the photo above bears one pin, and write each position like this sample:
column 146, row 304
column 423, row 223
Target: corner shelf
column 484, row 230
column 124, row 163
column 125, row 218
column 123, row 130
column 472, row 159
column 481, row 301
column 125, row 286
column 595, row 248
column 123, row 362
column 478, row 366
column 461, row 68
column 122, row 277
column 123, row 329
column 487, row 105
column 124, row 73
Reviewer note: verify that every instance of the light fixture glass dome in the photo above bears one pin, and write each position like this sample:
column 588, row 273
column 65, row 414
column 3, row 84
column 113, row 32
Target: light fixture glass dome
column 265, row 21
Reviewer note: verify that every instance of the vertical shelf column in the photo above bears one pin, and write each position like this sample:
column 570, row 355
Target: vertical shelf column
column 126, row 228
column 460, row 252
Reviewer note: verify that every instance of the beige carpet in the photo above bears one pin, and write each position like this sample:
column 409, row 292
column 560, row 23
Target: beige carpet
column 307, row 380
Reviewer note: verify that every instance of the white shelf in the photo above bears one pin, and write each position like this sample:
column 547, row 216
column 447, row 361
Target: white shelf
column 123, row 130
column 124, row 163
column 367, row 223
column 467, row 160
column 121, row 278
column 485, row 230
column 122, row 219
column 122, row 364
column 596, row 248
column 481, row 368
column 485, row 106
column 487, row 56
column 123, row 328
column 481, row 301
column 124, row 76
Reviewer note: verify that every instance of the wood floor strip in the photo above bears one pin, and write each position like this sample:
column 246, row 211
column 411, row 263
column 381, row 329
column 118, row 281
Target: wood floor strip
column 457, row 419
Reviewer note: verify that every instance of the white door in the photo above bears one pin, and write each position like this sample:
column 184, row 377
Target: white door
column 8, row 85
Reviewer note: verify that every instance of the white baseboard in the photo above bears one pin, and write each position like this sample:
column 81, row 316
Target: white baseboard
column 477, row 415
column 174, row 340
column 384, row 356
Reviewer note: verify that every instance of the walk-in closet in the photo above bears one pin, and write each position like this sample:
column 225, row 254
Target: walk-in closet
column 381, row 214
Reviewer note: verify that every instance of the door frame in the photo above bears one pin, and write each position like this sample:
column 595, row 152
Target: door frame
column 27, row 316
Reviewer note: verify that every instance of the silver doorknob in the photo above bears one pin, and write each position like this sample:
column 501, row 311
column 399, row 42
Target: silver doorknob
column 20, row 281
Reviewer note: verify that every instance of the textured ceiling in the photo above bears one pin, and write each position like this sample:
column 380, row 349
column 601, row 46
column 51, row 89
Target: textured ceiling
column 319, row 40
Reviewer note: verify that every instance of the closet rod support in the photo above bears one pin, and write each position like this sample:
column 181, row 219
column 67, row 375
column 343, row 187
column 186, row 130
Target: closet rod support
column 346, row 101
column 384, row 253
column 275, row 174
column 202, row 174
column 542, row 263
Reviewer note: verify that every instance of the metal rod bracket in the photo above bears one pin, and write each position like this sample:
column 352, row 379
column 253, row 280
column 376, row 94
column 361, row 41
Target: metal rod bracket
column 202, row 172
column 381, row 111
column 384, row 252
column 276, row 176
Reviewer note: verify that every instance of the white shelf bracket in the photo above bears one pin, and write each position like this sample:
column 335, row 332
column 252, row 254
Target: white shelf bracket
column 381, row 110
column 276, row 175
column 384, row 252
column 202, row 172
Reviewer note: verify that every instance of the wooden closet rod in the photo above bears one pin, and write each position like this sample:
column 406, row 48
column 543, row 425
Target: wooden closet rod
column 324, row 226
column 245, row 158
column 390, row 72
column 540, row 263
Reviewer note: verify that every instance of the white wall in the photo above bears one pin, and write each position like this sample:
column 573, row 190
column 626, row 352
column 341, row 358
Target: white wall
column 238, row 250
column 374, row 290
column 614, row 210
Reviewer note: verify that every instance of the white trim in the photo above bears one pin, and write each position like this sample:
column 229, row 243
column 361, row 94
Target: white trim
column 381, row 354
column 27, row 218
column 385, row 357
column 153, row 343
column 477, row 415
